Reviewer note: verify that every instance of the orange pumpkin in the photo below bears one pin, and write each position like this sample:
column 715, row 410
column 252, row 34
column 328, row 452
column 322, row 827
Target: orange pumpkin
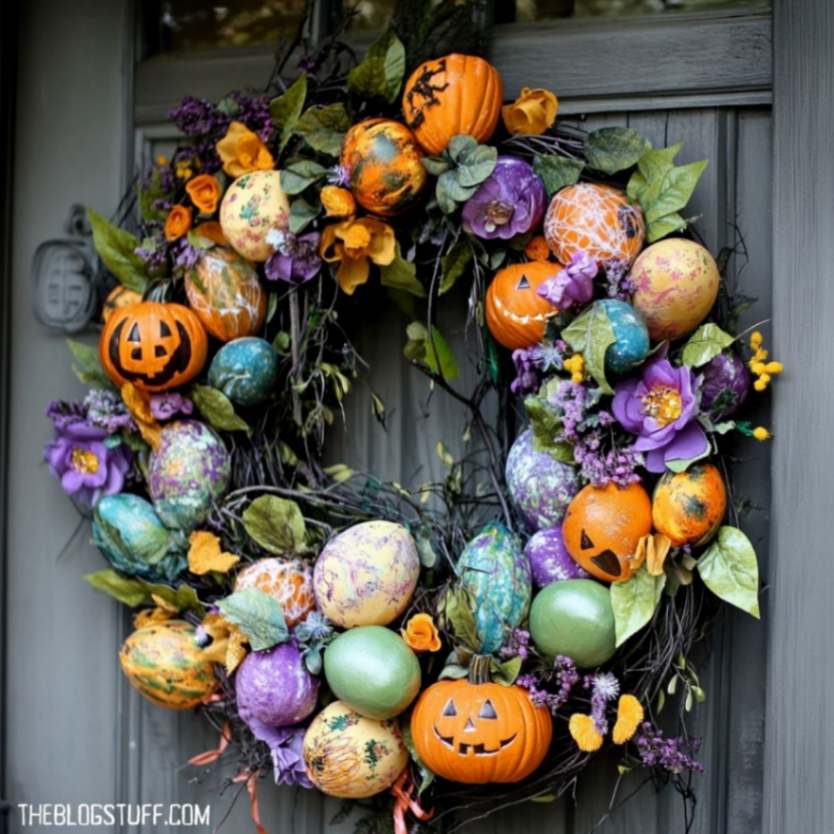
column 689, row 506
column 117, row 298
column 155, row 346
column 479, row 732
column 383, row 164
column 450, row 95
column 596, row 219
column 288, row 582
column 602, row 527
column 224, row 291
column 516, row 314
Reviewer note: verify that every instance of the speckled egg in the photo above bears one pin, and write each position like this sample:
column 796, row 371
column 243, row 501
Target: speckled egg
column 290, row 582
column 367, row 574
column 252, row 207
column 352, row 757
column 631, row 345
column 540, row 486
column 676, row 283
column 188, row 471
column 549, row 558
column 273, row 687
column 245, row 370
column 130, row 534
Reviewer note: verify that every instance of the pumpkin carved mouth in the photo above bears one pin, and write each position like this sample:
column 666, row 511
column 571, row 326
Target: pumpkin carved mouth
column 521, row 319
column 464, row 749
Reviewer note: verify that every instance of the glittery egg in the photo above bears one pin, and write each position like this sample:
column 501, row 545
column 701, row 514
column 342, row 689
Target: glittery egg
column 725, row 383
column 631, row 345
column 245, row 370
column 540, row 486
column 252, row 207
column 288, row 582
column 188, row 471
column 367, row 574
column 273, row 687
column 352, row 757
column 549, row 558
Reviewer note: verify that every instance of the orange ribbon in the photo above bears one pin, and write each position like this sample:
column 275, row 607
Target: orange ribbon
column 251, row 780
column 213, row 755
column 402, row 791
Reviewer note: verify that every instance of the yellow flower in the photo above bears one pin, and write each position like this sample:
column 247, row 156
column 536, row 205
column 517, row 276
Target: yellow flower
column 584, row 732
column 337, row 202
column 534, row 111
column 204, row 554
column 760, row 385
column 761, row 433
column 629, row 715
column 756, row 340
column 138, row 403
column 355, row 244
column 774, row 368
column 161, row 160
column 575, row 365
column 420, row 633
column 653, row 550
column 227, row 646
column 183, row 169
column 243, row 151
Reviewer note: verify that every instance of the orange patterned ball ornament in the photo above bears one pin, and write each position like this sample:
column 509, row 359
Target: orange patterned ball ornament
column 288, row 582
column 688, row 507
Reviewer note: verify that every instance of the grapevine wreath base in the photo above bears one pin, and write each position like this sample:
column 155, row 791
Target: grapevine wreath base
column 439, row 651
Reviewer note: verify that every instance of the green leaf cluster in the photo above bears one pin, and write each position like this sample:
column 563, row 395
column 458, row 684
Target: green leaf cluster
column 433, row 352
column 545, row 425
column 258, row 615
column 380, row 73
column 462, row 167
column 613, row 149
column 730, row 570
column 323, row 127
column 285, row 110
column 217, row 409
column 87, row 365
column 134, row 592
column 299, row 174
column 705, row 344
column 401, row 274
column 634, row 602
column 557, row 171
column 591, row 333
column 116, row 248
column 276, row 524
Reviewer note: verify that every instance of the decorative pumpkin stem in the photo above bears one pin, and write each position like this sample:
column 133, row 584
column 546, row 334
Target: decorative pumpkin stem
column 479, row 668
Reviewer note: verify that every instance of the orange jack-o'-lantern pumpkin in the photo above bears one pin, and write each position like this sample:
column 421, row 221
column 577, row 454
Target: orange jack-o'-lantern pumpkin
column 450, row 95
column 155, row 346
column 595, row 219
column 603, row 526
column 383, row 164
column 479, row 732
column 516, row 314
column 688, row 507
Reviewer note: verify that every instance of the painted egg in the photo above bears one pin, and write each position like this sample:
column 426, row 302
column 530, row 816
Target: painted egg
column 574, row 618
column 164, row 662
column 595, row 219
column 631, row 345
column 725, row 382
column 352, row 757
column 288, row 582
column 367, row 574
column 496, row 574
column 254, row 205
column 549, row 558
column 540, row 486
column 117, row 298
column 245, row 370
column 676, row 284
column 688, row 507
column 373, row 671
column 188, row 472
column 130, row 534
column 224, row 291
column 274, row 688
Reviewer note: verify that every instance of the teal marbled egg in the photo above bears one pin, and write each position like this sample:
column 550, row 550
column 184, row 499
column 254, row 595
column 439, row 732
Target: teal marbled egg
column 245, row 370
column 496, row 573
column 631, row 345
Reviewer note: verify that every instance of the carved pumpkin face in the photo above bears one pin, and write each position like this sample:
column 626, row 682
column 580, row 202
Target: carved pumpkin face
column 153, row 345
column 516, row 314
column 603, row 526
column 478, row 733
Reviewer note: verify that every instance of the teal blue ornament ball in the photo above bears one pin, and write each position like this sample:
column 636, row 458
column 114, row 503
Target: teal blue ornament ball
column 245, row 370
column 631, row 345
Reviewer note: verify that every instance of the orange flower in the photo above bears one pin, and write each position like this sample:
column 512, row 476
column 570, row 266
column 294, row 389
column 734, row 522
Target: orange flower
column 138, row 403
column 355, row 244
column 242, row 151
column 534, row 111
column 204, row 191
column 420, row 633
column 178, row 222
column 337, row 202
column 210, row 230
column 583, row 730
column 629, row 715
column 537, row 249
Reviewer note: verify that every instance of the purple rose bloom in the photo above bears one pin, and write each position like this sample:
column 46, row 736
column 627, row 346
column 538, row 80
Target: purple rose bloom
column 286, row 744
column 572, row 285
column 509, row 202
column 660, row 408
column 170, row 404
column 725, row 382
column 296, row 259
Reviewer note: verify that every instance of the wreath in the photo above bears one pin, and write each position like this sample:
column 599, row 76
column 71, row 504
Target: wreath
column 453, row 647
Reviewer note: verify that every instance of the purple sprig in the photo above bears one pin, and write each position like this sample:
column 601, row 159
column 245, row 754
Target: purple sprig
column 674, row 755
column 517, row 644
column 561, row 680
column 531, row 363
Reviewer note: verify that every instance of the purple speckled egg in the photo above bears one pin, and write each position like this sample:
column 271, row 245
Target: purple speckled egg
column 274, row 687
column 540, row 486
column 549, row 558
column 725, row 382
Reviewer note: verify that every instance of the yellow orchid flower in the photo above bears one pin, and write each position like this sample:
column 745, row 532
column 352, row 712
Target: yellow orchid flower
column 355, row 244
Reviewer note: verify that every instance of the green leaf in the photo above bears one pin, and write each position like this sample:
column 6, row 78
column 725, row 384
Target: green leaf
column 449, row 192
column 436, row 165
column 380, row 73
column 401, row 274
column 665, row 226
column 458, row 614
column 302, row 214
column 453, row 671
column 218, row 410
column 612, row 149
column 339, row 472
column 475, row 165
column 557, row 171
column 591, row 333
column 299, row 174
column 123, row 588
column 545, row 425
column 634, row 602
column 258, row 616
column 286, row 108
column 453, row 264
column 87, row 365
column 183, row 597
column 323, row 127
column 705, row 344
column 435, row 353
column 199, row 242
column 428, row 555
column 276, row 524
column 730, row 570
column 426, row 776
column 505, row 672
column 116, row 248
column 676, row 190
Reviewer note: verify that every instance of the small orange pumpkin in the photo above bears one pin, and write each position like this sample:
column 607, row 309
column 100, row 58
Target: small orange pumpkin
column 117, row 298
column 155, row 346
column 383, row 164
column 602, row 527
column 516, row 314
column 688, row 507
column 450, row 95
column 480, row 732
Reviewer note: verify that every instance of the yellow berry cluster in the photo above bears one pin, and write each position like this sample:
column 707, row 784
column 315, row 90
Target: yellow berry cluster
column 759, row 365
column 575, row 365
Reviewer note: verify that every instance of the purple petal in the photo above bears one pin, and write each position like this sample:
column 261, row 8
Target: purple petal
column 687, row 444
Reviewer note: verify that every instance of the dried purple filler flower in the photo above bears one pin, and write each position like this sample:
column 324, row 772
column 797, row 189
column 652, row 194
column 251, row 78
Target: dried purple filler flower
column 573, row 285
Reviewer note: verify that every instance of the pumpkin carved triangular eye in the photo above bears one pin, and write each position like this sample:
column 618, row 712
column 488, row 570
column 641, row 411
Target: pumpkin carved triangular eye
column 585, row 541
column 523, row 283
column 608, row 561
column 488, row 710
column 449, row 709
